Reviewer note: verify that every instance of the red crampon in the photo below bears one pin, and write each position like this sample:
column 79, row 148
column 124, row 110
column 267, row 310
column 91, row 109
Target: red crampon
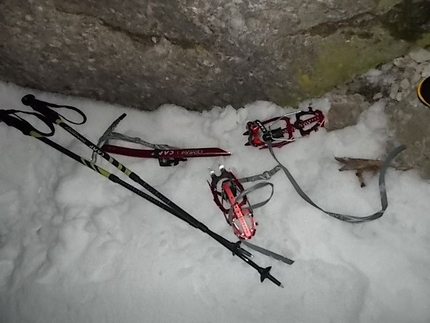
column 229, row 195
column 281, row 130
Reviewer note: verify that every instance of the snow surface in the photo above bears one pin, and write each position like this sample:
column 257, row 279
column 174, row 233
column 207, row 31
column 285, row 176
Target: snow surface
column 75, row 247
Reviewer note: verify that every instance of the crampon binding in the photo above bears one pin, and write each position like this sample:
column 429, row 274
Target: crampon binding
column 230, row 197
column 282, row 130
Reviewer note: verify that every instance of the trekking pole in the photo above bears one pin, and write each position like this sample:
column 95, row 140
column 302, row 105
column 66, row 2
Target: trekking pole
column 47, row 115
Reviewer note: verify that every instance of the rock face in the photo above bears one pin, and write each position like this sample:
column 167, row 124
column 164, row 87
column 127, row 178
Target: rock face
column 198, row 53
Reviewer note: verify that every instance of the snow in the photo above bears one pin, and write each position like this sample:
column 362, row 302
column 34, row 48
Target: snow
column 75, row 247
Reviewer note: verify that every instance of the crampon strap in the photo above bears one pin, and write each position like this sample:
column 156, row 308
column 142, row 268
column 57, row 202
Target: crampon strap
column 345, row 217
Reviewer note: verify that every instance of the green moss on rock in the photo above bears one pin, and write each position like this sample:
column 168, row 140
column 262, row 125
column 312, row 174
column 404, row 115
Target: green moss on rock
column 343, row 55
column 424, row 41
column 385, row 5
column 338, row 60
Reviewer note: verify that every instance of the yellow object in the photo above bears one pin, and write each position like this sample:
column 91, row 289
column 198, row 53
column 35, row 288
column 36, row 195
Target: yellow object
column 423, row 91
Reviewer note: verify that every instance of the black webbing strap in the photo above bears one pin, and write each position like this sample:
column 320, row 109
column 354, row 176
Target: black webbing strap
column 12, row 119
column 44, row 108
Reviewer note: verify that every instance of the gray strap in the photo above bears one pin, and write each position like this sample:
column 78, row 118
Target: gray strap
column 344, row 217
column 110, row 134
column 263, row 176
column 137, row 140
column 256, row 187
column 253, row 206
column 268, row 253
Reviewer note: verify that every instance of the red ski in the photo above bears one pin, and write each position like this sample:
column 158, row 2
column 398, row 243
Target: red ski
column 166, row 157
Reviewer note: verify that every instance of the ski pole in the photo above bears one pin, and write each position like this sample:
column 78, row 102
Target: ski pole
column 54, row 117
column 163, row 202
column 183, row 215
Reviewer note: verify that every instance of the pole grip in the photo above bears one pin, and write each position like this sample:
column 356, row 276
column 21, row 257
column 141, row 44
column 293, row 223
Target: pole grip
column 41, row 107
column 11, row 118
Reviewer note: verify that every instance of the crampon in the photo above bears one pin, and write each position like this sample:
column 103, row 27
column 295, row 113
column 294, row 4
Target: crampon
column 232, row 200
column 283, row 130
column 230, row 197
